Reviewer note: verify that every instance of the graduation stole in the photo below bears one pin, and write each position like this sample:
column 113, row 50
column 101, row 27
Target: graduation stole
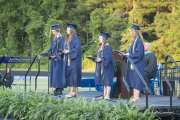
column 134, row 45
column 67, row 47
column 101, row 53
column 57, row 40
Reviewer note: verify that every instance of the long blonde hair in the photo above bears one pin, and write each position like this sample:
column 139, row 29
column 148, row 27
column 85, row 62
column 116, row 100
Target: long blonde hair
column 139, row 33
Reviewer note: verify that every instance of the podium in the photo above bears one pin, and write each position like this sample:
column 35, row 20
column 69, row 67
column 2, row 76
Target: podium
column 122, row 89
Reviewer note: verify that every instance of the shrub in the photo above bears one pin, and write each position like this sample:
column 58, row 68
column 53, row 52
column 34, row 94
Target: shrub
column 39, row 106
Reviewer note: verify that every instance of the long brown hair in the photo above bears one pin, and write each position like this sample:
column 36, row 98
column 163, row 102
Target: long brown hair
column 70, row 36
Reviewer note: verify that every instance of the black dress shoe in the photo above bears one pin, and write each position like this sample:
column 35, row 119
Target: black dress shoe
column 58, row 91
column 99, row 97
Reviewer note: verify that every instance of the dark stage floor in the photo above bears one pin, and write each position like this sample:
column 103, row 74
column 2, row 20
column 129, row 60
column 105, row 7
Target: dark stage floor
column 154, row 101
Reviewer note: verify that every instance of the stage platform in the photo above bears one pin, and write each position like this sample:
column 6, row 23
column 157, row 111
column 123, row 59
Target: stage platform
column 154, row 101
column 160, row 105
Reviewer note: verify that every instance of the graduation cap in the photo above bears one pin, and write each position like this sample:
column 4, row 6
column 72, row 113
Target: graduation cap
column 135, row 27
column 55, row 26
column 72, row 25
column 105, row 35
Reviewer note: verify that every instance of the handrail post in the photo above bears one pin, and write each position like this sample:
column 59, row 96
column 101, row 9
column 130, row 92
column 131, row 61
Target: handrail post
column 25, row 82
column 169, row 84
column 147, row 100
column 4, row 77
column 49, row 76
column 37, row 74
column 170, row 92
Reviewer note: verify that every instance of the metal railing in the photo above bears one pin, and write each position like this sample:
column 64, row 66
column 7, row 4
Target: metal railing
column 170, row 74
column 29, row 69
column 21, row 60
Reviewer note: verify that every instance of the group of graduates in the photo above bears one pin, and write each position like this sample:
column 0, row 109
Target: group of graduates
column 65, row 56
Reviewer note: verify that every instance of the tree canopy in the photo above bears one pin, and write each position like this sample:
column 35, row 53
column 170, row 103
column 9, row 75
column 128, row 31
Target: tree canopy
column 24, row 24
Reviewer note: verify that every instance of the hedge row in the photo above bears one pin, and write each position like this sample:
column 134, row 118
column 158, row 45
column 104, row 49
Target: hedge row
column 39, row 106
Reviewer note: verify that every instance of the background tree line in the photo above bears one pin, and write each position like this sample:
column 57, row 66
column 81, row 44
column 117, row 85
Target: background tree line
column 24, row 24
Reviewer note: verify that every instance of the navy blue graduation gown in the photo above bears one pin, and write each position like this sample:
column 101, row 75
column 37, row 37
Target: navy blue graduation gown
column 73, row 62
column 136, row 53
column 57, row 75
column 104, row 70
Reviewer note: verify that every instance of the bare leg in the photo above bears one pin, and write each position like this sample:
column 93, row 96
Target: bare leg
column 76, row 88
column 105, row 91
column 136, row 94
column 74, row 92
column 108, row 91
column 70, row 90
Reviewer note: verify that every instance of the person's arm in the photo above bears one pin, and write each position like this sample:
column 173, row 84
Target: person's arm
column 76, row 46
column 48, row 52
column 59, row 51
column 146, row 63
column 138, row 53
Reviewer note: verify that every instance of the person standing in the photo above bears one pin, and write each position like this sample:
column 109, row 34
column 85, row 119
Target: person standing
column 57, row 76
column 151, row 63
column 72, row 58
column 150, row 66
column 136, row 54
column 104, row 65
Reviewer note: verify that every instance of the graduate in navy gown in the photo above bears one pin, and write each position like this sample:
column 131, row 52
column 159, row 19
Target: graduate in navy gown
column 136, row 53
column 72, row 58
column 104, row 65
column 57, row 76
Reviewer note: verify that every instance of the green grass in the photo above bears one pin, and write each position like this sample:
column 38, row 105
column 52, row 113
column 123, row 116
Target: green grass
column 40, row 106
column 42, row 86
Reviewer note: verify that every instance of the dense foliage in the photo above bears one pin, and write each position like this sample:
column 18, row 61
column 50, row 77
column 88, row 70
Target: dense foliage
column 36, row 106
column 24, row 24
